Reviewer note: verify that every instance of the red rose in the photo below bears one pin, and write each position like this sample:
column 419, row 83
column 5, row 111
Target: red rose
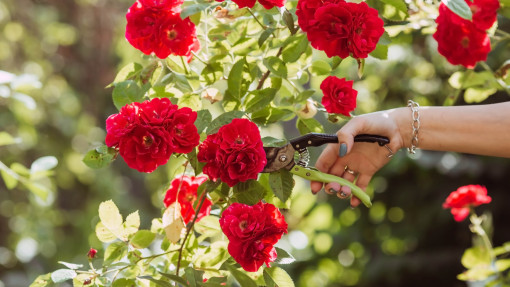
column 155, row 26
column 344, row 29
column 459, row 40
column 146, row 134
column 234, row 154
column 252, row 232
column 465, row 197
column 183, row 189
column 92, row 253
column 305, row 11
column 268, row 4
column 484, row 12
column 339, row 96
column 244, row 3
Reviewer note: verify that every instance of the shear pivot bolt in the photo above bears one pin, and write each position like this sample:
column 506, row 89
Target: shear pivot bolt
column 283, row 158
column 309, row 142
column 307, row 174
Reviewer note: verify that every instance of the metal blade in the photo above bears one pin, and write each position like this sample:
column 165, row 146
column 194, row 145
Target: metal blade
column 279, row 157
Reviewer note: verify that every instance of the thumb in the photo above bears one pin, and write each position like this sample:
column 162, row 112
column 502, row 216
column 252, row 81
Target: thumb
column 346, row 136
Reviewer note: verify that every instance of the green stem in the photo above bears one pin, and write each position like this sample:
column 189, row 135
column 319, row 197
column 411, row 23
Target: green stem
column 506, row 34
column 184, row 65
column 198, row 58
column 266, row 74
column 499, row 81
column 477, row 223
column 204, row 196
column 256, row 19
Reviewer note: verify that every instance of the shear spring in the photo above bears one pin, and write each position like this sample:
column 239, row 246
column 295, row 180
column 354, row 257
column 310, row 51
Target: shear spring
column 304, row 157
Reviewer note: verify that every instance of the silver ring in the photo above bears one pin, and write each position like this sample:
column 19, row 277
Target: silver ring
column 347, row 169
column 389, row 150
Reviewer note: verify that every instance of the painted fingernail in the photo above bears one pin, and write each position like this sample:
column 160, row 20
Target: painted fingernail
column 332, row 190
column 343, row 150
column 343, row 194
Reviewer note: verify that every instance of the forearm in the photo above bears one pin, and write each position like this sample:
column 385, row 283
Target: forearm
column 480, row 129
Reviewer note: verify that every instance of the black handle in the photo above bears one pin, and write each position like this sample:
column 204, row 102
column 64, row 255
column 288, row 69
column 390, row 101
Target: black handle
column 316, row 139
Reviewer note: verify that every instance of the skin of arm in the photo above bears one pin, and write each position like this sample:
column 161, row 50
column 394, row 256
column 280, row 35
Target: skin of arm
column 477, row 129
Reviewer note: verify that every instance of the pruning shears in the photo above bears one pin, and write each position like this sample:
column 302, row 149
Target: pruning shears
column 283, row 158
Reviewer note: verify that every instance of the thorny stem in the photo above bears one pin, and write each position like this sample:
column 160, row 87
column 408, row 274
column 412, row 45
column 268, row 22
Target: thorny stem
column 266, row 74
column 204, row 196
column 256, row 19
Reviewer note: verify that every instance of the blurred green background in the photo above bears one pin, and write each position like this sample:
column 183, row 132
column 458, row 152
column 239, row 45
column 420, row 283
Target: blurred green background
column 73, row 50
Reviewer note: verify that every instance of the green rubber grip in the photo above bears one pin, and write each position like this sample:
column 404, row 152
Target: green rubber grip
column 314, row 175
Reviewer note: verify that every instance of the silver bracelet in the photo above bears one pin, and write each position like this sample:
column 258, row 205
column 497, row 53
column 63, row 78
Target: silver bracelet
column 416, row 125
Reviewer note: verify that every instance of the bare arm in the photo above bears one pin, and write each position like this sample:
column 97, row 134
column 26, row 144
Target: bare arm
column 480, row 129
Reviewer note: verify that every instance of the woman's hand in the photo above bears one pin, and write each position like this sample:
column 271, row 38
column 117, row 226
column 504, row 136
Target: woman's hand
column 361, row 160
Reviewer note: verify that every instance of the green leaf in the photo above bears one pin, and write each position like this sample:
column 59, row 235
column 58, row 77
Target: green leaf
column 38, row 189
column 191, row 101
column 215, row 255
column 281, row 183
column 125, row 93
column 175, row 278
column 304, row 95
column 204, row 118
column 193, row 276
column 124, row 282
column 295, row 49
column 243, row 279
column 500, row 250
column 459, row 7
column 235, row 79
column 99, row 157
column 223, row 119
column 320, row 67
column 7, row 139
column 193, row 9
column 275, row 276
column 42, row 281
column 271, row 115
column 309, row 126
column 289, row 21
column 9, row 180
column 502, row 264
column 111, row 218
column 157, row 281
column 195, row 164
column 208, row 226
column 245, row 46
column 249, row 192
column 43, row 163
column 142, row 239
column 283, row 257
column 104, row 234
column 62, row 275
column 272, row 142
column 264, row 35
column 475, row 256
column 115, row 252
column 71, row 265
column 276, row 66
column 132, row 224
column 400, row 5
column 380, row 52
column 361, row 67
column 478, row 94
column 127, row 72
column 259, row 99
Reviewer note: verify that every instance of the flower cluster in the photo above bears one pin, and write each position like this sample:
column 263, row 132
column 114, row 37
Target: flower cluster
column 464, row 42
column 339, row 96
column 464, row 198
column 252, row 232
column 234, row 154
column 146, row 134
column 183, row 189
column 340, row 28
column 155, row 26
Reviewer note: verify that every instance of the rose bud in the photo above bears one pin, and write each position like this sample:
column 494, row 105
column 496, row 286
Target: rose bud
column 92, row 253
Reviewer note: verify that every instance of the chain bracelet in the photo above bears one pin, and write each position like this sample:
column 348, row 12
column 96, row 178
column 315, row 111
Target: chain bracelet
column 416, row 125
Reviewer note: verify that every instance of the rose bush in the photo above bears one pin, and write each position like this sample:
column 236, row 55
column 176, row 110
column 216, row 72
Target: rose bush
column 260, row 67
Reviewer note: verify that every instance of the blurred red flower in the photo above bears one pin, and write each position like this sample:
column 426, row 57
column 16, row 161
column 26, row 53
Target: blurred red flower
column 252, row 232
column 339, row 96
column 484, row 12
column 234, row 154
column 183, row 189
column 465, row 197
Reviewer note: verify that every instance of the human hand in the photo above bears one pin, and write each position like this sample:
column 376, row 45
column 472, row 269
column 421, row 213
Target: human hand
column 361, row 160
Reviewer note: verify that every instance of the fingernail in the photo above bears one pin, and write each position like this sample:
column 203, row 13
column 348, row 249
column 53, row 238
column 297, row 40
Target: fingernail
column 343, row 194
column 343, row 150
column 332, row 190
column 352, row 207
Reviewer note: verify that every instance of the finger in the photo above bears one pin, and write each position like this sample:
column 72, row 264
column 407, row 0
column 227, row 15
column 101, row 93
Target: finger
column 327, row 158
column 316, row 186
column 362, row 182
column 338, row 170
column 345, row 190
column 332, row 188
column 346, row 136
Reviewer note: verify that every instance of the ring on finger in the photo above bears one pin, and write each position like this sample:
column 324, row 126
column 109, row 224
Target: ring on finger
column 347, row 169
